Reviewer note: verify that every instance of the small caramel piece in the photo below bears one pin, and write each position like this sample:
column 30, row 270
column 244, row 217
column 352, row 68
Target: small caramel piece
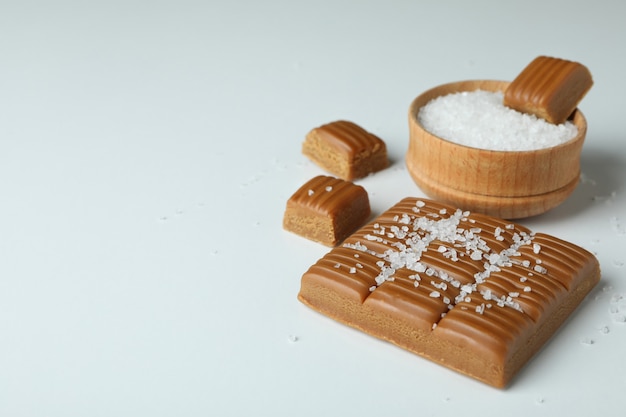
column 474, row 293
column 345, row 150
column 327, row 210
column 549, row 88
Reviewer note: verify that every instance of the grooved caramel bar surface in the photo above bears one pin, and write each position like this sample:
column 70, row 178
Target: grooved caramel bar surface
column 345, row 150
column 549, row 88
column 471, row 292
column 326, row 209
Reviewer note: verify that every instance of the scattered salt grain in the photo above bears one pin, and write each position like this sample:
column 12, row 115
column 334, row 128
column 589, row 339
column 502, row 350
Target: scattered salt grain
column 293, row 338
column 587, row 341
column 329, row 188
column 311, row 192
column 586, row 180
column 617, row 226
column 617, row 308
column 481, row 308
column 479, row 119
column 619, row 318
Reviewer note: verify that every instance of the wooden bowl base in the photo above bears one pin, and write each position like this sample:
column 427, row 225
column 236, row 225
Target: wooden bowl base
column 503, row 207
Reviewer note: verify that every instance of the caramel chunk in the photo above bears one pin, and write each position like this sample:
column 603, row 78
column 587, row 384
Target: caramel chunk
column 549, row 88
column 327, row 210
column 345, row 150
column 471, row 292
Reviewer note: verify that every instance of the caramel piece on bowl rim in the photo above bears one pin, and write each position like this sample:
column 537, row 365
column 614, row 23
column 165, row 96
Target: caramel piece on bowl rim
column 550, row 88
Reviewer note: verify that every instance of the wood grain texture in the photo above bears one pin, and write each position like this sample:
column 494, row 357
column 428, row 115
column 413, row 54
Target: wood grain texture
column 508, row 184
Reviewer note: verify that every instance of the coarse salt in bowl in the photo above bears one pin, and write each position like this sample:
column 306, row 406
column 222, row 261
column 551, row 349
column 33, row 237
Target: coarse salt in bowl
column 488, row 158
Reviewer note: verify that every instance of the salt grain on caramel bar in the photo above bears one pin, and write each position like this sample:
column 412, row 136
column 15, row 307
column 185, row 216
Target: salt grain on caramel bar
column 471, row 292
column 549, row 88
column 327, row 210
column 345, row 150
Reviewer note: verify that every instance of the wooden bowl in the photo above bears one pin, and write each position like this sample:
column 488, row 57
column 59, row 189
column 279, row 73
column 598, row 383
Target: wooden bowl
column 506, row 184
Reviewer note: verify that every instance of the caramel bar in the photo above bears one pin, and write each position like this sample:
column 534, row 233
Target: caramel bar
column 549, row 88
column 471, row 292
column 327, row 210
column 345, row 150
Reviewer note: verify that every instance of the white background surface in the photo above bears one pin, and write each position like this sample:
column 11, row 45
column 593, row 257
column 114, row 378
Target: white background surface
column 147, row 149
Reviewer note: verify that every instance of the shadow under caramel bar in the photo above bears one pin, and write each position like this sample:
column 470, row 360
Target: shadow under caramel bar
column 471, row 292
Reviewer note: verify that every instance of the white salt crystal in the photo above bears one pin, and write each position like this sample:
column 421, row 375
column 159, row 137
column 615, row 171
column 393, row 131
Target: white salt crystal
column 587, row 341
column 479, row 119
column 619, row 318
column 481, row 308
